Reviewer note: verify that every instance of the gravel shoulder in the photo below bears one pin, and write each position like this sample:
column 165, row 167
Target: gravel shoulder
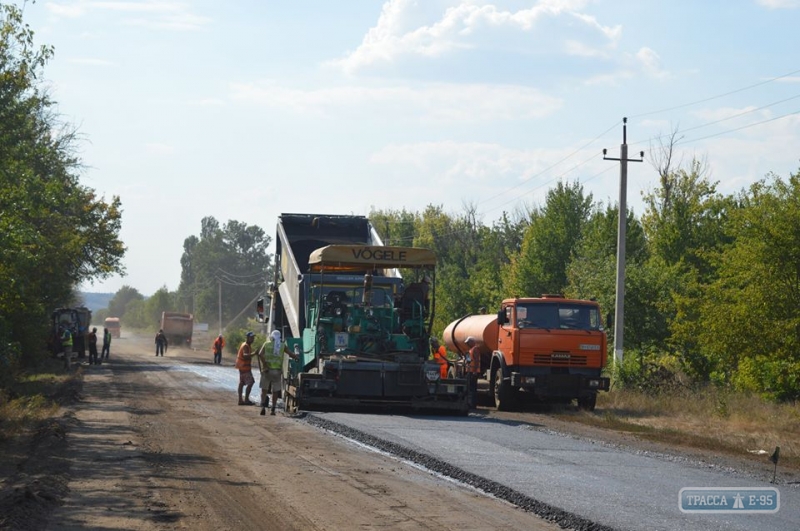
column 572, row 425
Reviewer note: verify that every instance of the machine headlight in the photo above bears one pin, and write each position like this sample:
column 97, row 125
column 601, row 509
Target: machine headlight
column 432, row 375
column 594, row 383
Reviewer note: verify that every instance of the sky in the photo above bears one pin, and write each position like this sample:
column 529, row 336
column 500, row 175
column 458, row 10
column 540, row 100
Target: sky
column 244, row 109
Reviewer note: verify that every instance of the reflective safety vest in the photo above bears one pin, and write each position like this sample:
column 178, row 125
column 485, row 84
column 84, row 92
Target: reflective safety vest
column 274, row 355
column 440, row 356
column 66, row 339
column 219, row 344
column 242, row 363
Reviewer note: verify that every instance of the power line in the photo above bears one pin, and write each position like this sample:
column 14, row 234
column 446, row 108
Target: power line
column 667, row 109
column 707, row 124
column 738, row 128
column 578, row 150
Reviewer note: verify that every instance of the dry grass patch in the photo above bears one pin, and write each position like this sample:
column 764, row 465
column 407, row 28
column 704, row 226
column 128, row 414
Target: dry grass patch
column 35, row 397
column 711, row 419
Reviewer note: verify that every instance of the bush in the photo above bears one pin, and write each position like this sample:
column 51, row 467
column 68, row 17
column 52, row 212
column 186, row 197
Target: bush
column 775, row 380
column 650, row 372
column 10, row 357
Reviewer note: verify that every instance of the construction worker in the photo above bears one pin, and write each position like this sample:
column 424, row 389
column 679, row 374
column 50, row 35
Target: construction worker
column 66, row 345
column 106, row 344
column 244, row 362
column 219, row 344
column 93, row 360
column 161, row 343
column 440, row 356
column 473, row 368
column 270, row 365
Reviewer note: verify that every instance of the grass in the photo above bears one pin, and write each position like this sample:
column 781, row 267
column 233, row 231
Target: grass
column 35, row 396
column 712, row 419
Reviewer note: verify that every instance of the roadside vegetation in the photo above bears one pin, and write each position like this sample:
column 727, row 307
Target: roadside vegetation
column 35, row 396
column 712, row 329
column 54, row 232
column 723, row 421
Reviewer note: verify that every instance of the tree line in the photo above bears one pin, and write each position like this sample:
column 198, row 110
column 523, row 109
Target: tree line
column 223, row 271
column 712, row 293
column 54, row 232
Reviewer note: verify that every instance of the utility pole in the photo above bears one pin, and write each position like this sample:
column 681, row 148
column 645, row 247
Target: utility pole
column 219, row 284
column 619, row 308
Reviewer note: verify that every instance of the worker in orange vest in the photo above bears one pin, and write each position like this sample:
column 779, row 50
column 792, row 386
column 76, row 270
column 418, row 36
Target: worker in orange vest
column 219, row 344
column 440, row 356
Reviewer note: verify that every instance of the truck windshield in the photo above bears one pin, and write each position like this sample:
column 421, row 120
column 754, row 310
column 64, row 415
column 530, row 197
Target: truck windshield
column 555, row 315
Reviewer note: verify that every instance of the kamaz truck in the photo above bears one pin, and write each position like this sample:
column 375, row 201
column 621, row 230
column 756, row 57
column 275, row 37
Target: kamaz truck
column 361, row 334
column 547, row 348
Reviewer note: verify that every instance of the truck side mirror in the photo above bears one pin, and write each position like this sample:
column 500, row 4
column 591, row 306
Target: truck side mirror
column 501, row 317
column 260, row 310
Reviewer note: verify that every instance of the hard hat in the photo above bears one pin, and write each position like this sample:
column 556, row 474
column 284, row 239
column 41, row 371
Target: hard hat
column 219, row 335
column 250, row 334
column 275, row 335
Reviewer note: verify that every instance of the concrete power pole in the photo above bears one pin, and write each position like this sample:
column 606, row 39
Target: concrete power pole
column 619, row 309
column 219, row 283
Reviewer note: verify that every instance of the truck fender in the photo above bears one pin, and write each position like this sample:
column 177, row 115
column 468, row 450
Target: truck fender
column 498, row 360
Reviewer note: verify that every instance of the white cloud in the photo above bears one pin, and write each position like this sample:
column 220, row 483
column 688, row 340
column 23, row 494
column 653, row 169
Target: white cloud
column 440, row 102
column 499, row 176
column 149, row 13
column 646, row 60
column 391, row 37
column 780, row 4
column 651, row 63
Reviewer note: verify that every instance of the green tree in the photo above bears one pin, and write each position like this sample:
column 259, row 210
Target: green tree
column 749, row 316
column 119, row 303
column 230, row 260
column 685, row 217
column 549, row 242
column 54, row 232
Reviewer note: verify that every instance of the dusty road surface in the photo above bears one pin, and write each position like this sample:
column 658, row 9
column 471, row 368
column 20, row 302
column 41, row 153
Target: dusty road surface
column 152, row 445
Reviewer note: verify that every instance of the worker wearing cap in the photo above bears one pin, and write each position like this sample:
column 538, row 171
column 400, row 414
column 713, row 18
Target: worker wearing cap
column 270, row 364
column 217, row 347
column 244, row 358
column 473, row 355
column 473, row 367
column 440, row 356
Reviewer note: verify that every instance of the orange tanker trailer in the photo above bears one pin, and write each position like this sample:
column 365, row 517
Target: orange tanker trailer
column 546, row 348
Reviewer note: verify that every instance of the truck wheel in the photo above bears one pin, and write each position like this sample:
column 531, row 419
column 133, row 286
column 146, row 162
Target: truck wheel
column 587, row 403
column 502, row 392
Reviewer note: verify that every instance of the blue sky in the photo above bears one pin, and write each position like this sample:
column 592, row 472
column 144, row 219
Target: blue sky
column 245, row 109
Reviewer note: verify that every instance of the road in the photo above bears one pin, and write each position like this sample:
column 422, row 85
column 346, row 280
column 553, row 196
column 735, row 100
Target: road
column 561, row 476
column 158, row 443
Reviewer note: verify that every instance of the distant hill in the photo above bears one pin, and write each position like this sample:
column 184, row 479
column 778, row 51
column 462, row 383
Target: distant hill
column 96, row 301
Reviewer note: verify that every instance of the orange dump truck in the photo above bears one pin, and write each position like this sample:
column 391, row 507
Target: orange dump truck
column 546, row 348
column 113, row 325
